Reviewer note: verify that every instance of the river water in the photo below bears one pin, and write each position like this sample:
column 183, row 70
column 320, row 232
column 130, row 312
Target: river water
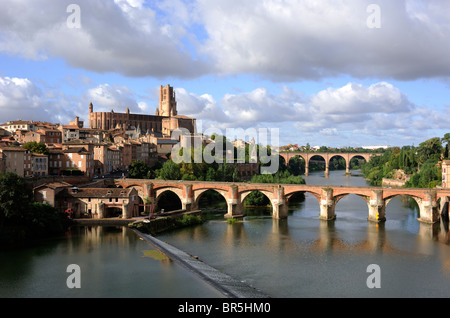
column 300, row 256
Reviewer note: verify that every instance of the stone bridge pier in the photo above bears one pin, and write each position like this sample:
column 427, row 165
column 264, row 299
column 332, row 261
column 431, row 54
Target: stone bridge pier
column 428, row 207
column 377, row 207
column 234, row 204
column 279, row 204
column 327, row 205
column 328, row 196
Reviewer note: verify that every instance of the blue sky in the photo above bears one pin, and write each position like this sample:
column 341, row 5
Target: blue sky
column 330, row 72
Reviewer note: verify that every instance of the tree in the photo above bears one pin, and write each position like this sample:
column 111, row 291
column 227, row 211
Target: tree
column 20, row 217
column 14, row 197
column 446, row 140
column 169, row 171
column 36, row 147
column 429, row 149
column 296, row 165
column 138, row 169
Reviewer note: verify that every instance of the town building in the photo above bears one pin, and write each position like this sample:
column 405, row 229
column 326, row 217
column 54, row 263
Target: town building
column 446, row 173
column 13, row 159
column 46, row 192
column 99, row 203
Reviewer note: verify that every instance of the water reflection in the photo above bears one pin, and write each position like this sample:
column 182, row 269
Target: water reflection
column 302, row 256
column 114, row 262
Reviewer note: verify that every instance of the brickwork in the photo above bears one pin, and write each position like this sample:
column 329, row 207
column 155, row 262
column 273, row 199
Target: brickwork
column 376, row 198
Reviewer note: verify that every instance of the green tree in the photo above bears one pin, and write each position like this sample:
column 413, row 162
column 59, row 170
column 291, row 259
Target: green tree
column 429, row 149
column 446, row 140
column 210, row 174
column 36, row 147
column 138, row 170
column 169, row 171
column 14, row 197
column 20, row 217
column 296, row 166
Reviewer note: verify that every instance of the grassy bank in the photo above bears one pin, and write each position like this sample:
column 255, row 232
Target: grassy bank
column 160, row 225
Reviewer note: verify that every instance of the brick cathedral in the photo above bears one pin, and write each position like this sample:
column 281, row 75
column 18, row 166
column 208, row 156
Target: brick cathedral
column 165, row 120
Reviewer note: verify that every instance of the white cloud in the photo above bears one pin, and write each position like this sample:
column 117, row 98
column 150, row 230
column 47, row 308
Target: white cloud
column 354, row 98
column 20, row 98
column 305, row 39
column 122, row 36
column 280, row 40
column 118, row 98
column 337, row 114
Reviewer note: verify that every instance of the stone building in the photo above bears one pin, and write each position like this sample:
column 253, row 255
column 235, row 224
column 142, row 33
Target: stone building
column 446, row 173
column 165, row 120
column 99, row 203
column 14, row 159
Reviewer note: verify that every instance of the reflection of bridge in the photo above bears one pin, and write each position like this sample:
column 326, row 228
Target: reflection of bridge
column 327, row 157
column 189, row 193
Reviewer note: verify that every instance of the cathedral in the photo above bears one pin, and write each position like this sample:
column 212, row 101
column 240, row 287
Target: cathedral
column 165, row 120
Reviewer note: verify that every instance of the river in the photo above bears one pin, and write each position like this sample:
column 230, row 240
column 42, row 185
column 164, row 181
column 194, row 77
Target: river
column 300, row 256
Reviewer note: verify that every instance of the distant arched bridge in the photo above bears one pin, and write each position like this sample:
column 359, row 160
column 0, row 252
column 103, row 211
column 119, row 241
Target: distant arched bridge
column 327, row 157
column 376, row 198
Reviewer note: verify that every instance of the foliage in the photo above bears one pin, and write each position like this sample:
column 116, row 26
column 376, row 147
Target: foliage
column 429, row 176
column 20, row 217
column 232, row 220
column 138, row 170
column 420, row 163
column 257, row 198
column 169, row 171
column 14, row 196
column 36, row 147
column 160, row 225
column 284, row 177
column 188, row 220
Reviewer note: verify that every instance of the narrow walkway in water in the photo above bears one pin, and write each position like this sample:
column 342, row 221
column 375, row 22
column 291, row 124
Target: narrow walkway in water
column 229, row 286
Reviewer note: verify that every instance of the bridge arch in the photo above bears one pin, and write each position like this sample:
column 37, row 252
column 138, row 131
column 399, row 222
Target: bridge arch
column 198, row 193
column 167, row 191
column 356, row 156
column 296, row 164
column 338, row 155
column 337, row 198
column 269, row 195
column 290, row 193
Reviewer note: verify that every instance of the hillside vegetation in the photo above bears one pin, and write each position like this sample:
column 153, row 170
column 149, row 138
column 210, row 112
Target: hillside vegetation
column 421, row 164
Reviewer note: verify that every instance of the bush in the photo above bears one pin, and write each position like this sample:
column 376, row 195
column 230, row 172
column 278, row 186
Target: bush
column 187, row 220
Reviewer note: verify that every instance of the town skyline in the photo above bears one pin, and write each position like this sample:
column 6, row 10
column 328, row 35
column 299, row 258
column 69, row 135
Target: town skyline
column 328, row 74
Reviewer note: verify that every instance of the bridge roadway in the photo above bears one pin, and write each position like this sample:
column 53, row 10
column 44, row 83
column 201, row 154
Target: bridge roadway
column 327, row 157
column 235, row 193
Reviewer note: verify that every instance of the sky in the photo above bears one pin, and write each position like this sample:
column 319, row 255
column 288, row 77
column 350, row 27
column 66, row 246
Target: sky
column 335, row 73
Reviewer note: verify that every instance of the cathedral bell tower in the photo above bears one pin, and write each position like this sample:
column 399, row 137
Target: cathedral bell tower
column 167, row 102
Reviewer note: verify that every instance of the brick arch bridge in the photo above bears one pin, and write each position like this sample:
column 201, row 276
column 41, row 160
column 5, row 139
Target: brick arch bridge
column 327, row 157
column 377, row 198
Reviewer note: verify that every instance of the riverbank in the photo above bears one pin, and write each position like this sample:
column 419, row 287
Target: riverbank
column 122, row 221
column 227, row 285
